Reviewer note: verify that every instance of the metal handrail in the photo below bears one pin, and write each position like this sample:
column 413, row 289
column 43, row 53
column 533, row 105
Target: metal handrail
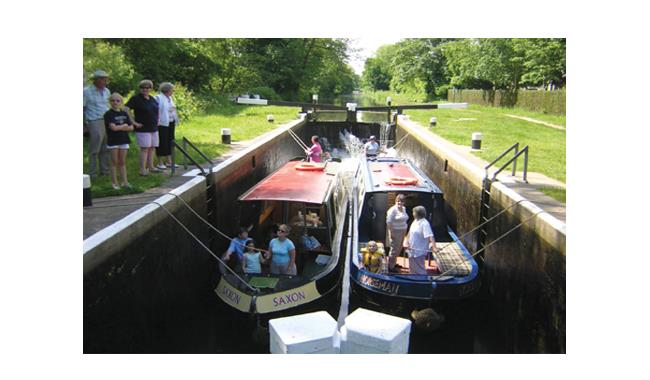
column 514, row 167
column 187, row 155
column 525, row 152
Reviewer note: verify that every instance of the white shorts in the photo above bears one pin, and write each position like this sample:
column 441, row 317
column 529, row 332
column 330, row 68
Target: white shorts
column 123, row 146
column 147, row 139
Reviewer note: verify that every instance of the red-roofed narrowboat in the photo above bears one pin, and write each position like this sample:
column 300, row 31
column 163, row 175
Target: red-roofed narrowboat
column 311, row 199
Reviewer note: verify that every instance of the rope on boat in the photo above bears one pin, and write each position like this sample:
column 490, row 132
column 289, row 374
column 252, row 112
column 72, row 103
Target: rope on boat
column 254, row 289
column 213, row 227
column 297, row 139
column 491, row 243
column 475, row 228
column 400, row 141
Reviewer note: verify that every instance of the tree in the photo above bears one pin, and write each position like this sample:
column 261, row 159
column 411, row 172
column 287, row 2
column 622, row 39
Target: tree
column 99, row 55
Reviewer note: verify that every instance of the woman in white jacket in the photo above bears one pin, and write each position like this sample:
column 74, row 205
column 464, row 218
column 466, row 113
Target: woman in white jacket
column 167, row 122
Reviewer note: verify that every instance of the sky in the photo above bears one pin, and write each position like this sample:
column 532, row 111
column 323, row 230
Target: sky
column 367, row 47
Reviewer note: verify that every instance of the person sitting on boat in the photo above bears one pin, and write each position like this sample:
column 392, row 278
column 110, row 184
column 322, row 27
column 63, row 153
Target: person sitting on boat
column 314, row 152
column 253, row 259
column 396, row 224
column 373, row 257
column 282, row 253
column 237, row 246
column 420, row 240
column 371, row 148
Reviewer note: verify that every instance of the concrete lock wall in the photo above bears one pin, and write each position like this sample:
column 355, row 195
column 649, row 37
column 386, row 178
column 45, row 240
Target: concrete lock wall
column 145, row 277
column 143, row 274
column 524, row 281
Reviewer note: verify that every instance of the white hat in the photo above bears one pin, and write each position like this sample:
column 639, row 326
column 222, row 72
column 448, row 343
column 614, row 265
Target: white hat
column 99, row 74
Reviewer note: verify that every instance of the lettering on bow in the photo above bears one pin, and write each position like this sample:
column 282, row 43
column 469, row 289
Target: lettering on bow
column 288, row 298
column 378, row 284
column 232, row 296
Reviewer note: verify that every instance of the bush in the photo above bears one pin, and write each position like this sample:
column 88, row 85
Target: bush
column 187, row 104
column 99, row 55
column 265, row 93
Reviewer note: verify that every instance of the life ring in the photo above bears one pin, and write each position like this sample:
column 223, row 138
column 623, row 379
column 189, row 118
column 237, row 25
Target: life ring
column 310, row 167
column 401, row 181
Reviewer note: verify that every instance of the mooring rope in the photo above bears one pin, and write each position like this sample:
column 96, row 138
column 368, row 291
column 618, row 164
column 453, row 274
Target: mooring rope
column 491, row 243
column 475, row 228
column 254, row 289
column 400, row 141
column 297, row 139
column 211, row 226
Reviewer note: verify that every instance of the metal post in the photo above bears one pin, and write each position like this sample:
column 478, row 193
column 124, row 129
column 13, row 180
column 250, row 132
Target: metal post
column 514, row 164
column 526, row 165
column 173, row 160
column 184, row 157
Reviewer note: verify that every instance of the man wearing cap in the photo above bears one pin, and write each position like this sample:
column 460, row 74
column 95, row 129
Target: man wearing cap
column 371, row 147
column 95, row 106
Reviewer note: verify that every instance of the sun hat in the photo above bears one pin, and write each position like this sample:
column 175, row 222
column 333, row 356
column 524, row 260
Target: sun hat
column 99, row 74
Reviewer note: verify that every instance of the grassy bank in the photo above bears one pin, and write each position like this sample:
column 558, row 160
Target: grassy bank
column 204, row 131
column 547, row 146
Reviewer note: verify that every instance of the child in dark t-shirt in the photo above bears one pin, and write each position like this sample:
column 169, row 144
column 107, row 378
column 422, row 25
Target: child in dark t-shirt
column 118, row 124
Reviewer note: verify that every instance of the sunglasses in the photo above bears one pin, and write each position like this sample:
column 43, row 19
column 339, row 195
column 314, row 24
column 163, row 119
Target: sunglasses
column 283, row 231
column 115, row 100
column 145, row 88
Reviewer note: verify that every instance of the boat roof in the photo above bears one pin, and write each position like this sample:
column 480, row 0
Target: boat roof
column 293, row 185
column 378, row 171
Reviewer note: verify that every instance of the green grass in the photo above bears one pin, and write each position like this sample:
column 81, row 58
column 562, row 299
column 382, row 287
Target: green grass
column 204, row 131
column 557, row 194
column 547, row 146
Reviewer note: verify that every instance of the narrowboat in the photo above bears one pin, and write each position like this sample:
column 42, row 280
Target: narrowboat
column 451, row 274
column 311, row 199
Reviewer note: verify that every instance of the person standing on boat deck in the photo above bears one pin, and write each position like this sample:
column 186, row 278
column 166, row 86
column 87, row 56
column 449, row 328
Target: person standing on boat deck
column 95, row 99
column 283, row 253
column 167, row 121
column 371, row 147
column 145, row 108
column 314, row 152
column 419, row 241
column 237, row 246
column 253, row 259
column 396, row 226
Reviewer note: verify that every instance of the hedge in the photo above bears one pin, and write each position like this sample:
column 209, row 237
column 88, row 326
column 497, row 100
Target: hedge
column 553, row 102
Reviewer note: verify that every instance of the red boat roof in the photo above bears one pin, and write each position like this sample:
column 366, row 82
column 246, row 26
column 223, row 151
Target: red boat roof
column 381, row 172
column 291, row 184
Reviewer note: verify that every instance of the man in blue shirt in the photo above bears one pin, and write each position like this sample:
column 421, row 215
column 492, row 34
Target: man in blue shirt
column 237, row 246
column 95, row 106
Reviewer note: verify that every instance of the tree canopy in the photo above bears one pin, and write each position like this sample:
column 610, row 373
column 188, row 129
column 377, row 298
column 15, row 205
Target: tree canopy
column 430, row 66
column 292, row 68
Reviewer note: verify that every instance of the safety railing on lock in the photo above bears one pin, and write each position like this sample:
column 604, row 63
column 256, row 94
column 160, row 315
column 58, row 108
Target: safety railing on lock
column 187, row 157
column 512, row 161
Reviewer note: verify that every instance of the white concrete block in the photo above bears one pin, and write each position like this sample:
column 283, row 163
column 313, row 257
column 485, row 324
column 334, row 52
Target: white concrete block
column 311, row 333
column 376, row 331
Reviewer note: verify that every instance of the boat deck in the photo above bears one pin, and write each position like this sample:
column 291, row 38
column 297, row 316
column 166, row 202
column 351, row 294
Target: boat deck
column 450, row 259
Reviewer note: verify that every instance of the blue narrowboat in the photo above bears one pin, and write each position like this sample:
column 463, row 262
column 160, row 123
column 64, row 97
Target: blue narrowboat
column 451, row 274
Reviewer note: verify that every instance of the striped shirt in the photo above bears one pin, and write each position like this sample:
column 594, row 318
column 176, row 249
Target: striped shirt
column 95, row 103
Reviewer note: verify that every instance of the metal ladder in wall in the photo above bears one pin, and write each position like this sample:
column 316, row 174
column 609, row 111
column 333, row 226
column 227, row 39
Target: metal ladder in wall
column 484, row 210
column 210, row 198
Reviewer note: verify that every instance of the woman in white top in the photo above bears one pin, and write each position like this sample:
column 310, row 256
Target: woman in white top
column 396, row 226
column 420, row 241
column 167, row 121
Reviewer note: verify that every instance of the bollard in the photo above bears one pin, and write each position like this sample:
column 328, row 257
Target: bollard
column 476, row 140
column 225, row 135
column 432, row 122
column 87, row 196
column 312, row 333
column 269, row 118
column 370, row 332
